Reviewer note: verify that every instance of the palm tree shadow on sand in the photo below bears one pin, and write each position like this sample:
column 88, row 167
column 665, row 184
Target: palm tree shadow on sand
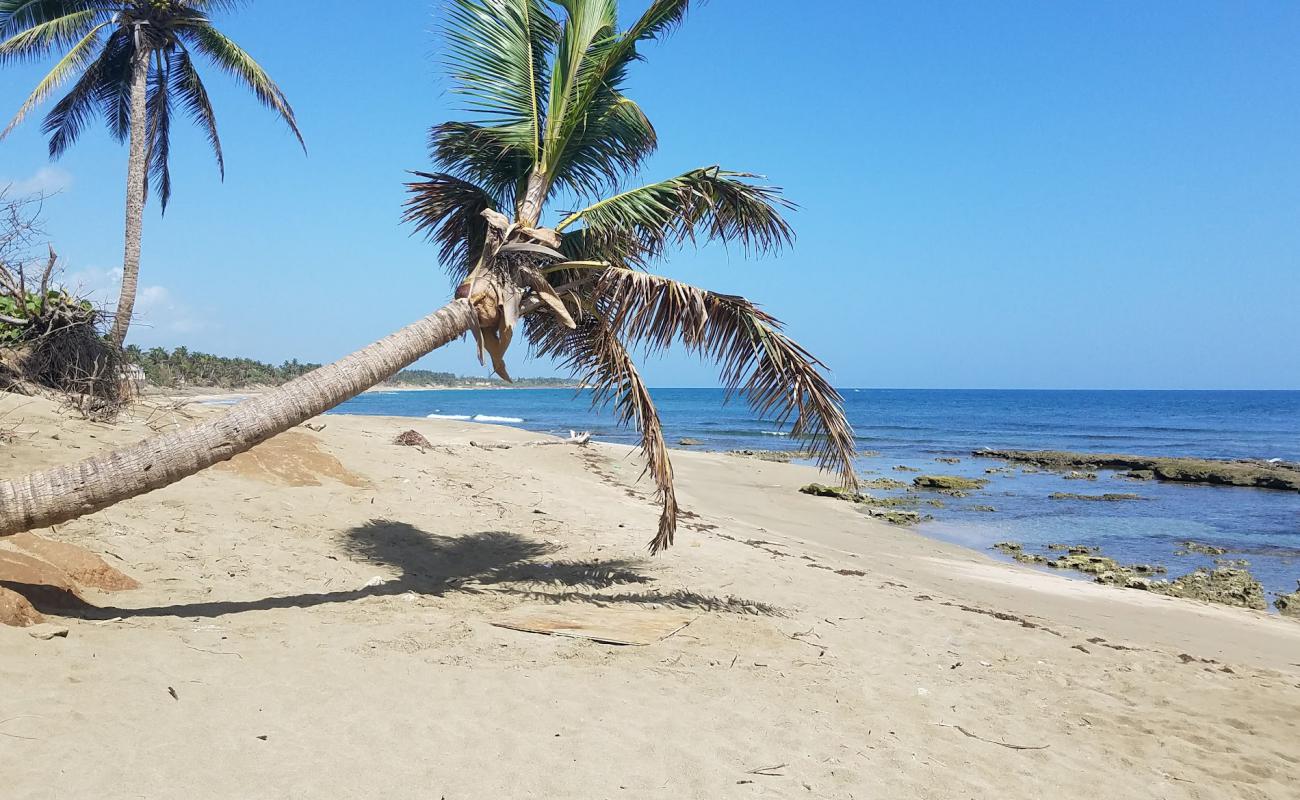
column 497, row 562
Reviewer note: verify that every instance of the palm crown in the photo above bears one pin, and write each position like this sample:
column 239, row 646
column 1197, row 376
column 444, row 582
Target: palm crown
column 101, row 41
column 549, row 115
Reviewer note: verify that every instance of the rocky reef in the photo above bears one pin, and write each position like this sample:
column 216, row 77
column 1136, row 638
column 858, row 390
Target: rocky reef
column 948, row 482
column 1288, row 605
column 889, row 509
column 1109, row 497
column 883, row 484
column 1201, row 549
column 1226, row 585
column 1282, row 475
column 778, row 456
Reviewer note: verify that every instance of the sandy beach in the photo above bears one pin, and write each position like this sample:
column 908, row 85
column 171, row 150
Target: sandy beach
column 316, row 619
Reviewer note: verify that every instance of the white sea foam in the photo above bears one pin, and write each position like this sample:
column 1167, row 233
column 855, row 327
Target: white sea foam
column 775, row 433
column 475, row 417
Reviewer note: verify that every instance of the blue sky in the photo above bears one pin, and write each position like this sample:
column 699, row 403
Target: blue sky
column 1012, row 194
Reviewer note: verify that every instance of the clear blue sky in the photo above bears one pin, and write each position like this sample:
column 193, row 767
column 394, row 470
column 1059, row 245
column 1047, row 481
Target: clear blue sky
column 1012, row 194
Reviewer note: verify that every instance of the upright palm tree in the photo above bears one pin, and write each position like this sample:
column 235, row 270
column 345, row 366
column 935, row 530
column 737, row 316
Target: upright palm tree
column 132, row 62
column 550, row 118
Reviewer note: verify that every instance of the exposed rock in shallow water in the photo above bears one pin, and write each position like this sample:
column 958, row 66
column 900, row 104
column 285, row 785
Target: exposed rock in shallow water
column 1081, row 476
column 948, row 482
column 905, row 468
column 1139, row 475
column 778, row 456
column 1232, row 587
column 821, row 490
column 1288, row 605
column 985, row 509
column 897, row 517
column 884, row 483
column 1109, row 497
column 688, row 442
column 1224, row 585
column 1260, row 474
column 1089, row 563
column 1203, row 549
column 948, row 460
column 1236, row 563
column 1016, row 551
column 1074, row 549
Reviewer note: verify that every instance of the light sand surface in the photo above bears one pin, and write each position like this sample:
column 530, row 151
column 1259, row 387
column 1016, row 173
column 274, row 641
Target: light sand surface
column 828, row 655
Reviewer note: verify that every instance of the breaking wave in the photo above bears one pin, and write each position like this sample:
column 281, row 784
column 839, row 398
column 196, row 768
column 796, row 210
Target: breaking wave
column 474, row 417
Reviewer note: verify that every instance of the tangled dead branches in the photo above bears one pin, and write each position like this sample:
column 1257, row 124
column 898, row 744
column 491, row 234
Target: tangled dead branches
column 49, row 339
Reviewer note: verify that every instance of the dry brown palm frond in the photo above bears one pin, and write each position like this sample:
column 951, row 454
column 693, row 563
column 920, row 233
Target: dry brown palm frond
column 449, row 212
column 776, row 376
column 595, row 355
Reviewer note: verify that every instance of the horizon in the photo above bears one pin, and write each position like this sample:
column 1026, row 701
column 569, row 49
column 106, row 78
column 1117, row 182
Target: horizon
column 989, row 199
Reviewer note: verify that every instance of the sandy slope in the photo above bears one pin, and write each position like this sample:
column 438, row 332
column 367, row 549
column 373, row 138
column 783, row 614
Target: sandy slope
column 851, row 658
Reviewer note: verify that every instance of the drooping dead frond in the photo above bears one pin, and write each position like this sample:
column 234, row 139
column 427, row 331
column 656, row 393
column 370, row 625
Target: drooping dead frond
column 596, row 356
column 776, row 376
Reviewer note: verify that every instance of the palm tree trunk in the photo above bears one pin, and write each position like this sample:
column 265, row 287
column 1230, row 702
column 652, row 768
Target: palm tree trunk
column 65, row 492
column 135, row 196
column 530, row 208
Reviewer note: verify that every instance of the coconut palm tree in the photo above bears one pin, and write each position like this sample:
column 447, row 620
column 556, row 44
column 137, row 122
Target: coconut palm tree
column 132, row 63
column 550, row 120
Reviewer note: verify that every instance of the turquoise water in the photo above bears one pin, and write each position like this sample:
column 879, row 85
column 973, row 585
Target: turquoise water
column 914, row 427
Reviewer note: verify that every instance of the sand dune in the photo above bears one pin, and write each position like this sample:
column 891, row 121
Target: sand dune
column 315, row 619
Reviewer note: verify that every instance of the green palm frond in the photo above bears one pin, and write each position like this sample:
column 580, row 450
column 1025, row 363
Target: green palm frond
column 703, row 204
column 660, row 19
column 594, row 353
column 80, row 54
column 614, row 140
column 595, row 137
column 449, row 212
column 66, row 120
column 778, row 378
column 31, row 37
column 159, row 112
column 498, row 55
column 189, row 89
column 234, row 60
column 589, row 25
column 482, row 155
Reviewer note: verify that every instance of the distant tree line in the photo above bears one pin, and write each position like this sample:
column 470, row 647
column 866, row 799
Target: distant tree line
column 182, row 368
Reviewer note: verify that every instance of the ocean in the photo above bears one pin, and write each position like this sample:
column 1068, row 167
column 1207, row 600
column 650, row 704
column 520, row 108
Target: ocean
column 912, row 428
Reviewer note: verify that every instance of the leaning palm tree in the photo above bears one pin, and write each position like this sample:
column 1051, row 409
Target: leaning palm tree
column 132, row 62
column 551, row 119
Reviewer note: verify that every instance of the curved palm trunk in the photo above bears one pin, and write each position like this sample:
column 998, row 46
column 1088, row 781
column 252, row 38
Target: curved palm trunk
column 137, row 165
column 65, row 492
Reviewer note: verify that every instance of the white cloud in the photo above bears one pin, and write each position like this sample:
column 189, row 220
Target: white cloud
column 46, row 180
column 159, row 315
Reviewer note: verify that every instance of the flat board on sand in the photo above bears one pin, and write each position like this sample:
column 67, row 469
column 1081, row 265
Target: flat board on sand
column 608, row 624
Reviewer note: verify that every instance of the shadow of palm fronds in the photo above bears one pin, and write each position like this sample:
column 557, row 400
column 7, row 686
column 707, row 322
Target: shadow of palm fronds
column 476, row 563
